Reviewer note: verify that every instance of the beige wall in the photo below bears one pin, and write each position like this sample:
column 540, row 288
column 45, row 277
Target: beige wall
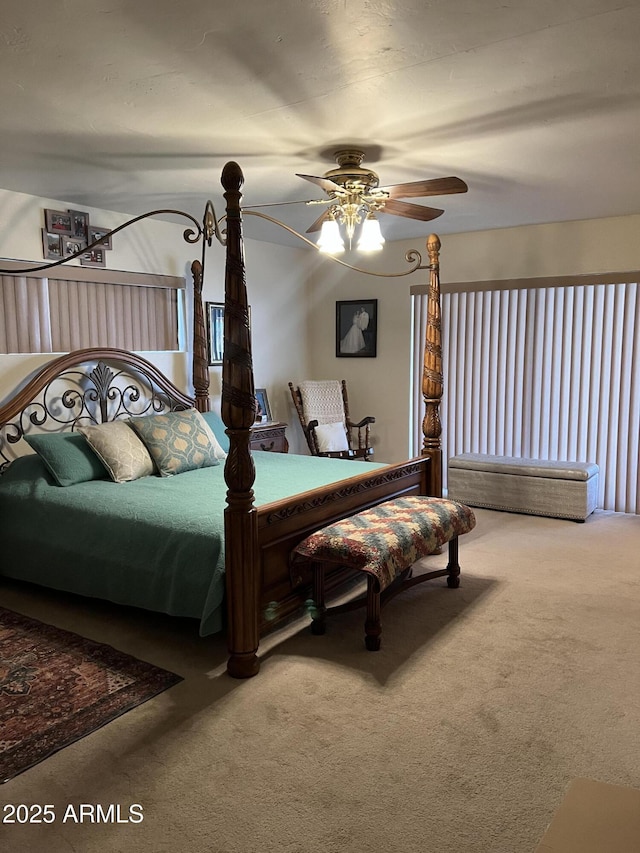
column 377, row 386
column 292, row 293
column 381, row 386
column 560, row 248
column 151, row 245
column 275, row 278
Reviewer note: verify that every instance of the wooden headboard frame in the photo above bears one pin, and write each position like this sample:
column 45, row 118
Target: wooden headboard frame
column 92, row 385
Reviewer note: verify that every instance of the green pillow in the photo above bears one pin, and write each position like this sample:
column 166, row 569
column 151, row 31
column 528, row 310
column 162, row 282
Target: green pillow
column 68, row 457
column 178, row 441
column 218, row 428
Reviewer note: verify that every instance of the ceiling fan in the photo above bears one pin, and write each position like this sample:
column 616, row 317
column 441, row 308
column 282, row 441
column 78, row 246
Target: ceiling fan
column 354, row 192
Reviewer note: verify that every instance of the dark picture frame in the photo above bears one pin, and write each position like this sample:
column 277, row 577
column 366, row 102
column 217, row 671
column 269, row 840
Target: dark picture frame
column 51, row 245
column 79, row 225
column 96, row 233
column 94, row 258
column 58, row 221
column 357, row 328
column 71, row 245
column 73, row 229
column 263, row 415
column 214, row 312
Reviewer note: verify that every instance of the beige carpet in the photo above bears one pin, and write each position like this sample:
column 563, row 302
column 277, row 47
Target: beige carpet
column 460, row 736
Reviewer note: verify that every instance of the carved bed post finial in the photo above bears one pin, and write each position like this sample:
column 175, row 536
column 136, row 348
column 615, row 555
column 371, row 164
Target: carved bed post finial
column 238, row 414
column 200, row 359
column 432, row 378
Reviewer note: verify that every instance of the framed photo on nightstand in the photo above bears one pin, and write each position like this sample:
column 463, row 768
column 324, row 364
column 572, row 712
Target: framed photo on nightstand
column 263, row 414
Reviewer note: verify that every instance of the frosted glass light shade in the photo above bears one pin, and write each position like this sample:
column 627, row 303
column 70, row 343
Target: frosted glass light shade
column 330, row 240
column 371, row 239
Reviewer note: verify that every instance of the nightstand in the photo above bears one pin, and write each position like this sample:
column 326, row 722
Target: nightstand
column 269, row 437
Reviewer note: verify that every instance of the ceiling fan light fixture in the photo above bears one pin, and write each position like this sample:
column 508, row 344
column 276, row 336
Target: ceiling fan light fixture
column 371, row 239
column 330, row 240
column 355, row 194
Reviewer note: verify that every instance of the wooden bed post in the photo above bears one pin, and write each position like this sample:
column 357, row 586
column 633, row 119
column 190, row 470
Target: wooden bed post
column 432, row 378
column 238, row 413
column 200, row 359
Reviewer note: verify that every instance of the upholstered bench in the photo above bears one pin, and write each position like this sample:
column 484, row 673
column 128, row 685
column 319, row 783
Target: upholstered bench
column 384, row 542
column 557, row 489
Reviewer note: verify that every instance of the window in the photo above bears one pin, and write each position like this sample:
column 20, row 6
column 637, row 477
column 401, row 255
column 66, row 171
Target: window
column 88, row 308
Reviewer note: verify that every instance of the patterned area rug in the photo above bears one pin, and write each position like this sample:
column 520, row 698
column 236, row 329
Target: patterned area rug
column 56, row 687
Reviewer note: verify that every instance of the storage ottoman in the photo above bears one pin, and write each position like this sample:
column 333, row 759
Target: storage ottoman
column 557, row 489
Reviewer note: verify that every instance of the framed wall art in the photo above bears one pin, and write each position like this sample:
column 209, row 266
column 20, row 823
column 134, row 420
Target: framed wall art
column 58, row 222
column 71, row 245
column 79, row 225
column 51, row 245
column 214, row 312
column 96, row 233
column 93, row 258
column 357, row 328
column 74, row 232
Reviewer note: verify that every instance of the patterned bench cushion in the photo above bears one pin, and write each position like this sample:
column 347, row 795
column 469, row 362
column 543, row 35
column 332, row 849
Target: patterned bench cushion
column 390, row 537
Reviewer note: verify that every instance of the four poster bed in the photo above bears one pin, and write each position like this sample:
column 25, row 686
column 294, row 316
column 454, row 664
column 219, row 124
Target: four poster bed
column 151, row 543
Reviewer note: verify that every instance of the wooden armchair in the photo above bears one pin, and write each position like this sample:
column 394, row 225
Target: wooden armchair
column 323, row 410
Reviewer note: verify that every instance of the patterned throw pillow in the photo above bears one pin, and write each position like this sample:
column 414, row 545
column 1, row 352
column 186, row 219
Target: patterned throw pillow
column 122, row 453
column 179, row 441
column 68, row 457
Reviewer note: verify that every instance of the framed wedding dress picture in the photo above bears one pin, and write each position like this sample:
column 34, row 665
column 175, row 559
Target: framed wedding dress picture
column 356, row 328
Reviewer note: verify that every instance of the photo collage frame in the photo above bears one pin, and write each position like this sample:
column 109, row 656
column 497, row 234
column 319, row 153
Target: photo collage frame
column 67, row 233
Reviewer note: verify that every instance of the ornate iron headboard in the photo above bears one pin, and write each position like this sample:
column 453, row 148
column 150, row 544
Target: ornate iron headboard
column 82, row 387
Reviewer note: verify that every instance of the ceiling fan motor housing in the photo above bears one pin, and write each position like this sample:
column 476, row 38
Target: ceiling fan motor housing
column 349, row 170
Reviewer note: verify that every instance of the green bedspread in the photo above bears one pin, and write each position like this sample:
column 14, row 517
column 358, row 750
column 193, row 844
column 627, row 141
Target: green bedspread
column 155, row 543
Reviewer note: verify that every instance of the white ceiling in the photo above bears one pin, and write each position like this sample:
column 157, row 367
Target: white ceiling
column 132, row 106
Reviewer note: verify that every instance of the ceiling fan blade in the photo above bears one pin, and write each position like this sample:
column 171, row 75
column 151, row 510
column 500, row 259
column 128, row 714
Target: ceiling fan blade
column 315, row 226
column 325, row 183
column 411, row 211
column 418, row 189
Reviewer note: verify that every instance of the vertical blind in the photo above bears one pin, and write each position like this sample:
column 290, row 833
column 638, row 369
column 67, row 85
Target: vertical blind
column 60, row 315
column 543, row 372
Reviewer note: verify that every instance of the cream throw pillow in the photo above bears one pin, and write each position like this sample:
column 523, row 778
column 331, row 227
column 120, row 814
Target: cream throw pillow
column 331, row 437
column 120, row 450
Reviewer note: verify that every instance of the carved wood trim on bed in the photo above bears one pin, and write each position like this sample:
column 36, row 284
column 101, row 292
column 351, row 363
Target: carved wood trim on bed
column 242, row 571
column 284, row 524
column 200, row 377
column 432, row 378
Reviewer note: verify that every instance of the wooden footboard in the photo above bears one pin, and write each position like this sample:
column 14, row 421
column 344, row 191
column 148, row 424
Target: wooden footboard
column 283, row 524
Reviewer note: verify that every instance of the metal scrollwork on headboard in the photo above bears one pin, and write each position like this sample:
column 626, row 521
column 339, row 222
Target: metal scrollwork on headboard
column 77, row 389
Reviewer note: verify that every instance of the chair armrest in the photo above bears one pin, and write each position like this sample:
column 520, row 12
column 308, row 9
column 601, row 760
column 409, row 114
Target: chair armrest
column 363, row 422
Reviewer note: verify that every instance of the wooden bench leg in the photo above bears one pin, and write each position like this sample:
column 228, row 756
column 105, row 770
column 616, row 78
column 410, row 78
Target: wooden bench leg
column 372, row 626
column 319, row 610
column 453, row 566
